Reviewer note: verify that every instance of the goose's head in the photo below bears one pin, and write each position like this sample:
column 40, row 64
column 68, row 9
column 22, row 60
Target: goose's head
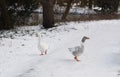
column 84, row 38
column 38, row 34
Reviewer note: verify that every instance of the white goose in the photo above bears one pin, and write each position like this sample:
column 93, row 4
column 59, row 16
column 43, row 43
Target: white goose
column 42, row 46
column 78, row 50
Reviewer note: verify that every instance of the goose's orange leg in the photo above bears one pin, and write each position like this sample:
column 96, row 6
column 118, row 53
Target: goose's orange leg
column 45, row 52
column 76, row 58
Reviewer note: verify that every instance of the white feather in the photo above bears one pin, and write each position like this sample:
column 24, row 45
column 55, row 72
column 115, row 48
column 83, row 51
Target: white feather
column 77, row 50
column 43, row 47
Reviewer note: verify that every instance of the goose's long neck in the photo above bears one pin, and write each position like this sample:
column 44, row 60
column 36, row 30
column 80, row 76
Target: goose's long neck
column 82, row 43
column 83, row 40
column 39, row 38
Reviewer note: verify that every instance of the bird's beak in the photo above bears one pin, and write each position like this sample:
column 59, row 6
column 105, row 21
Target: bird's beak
column 88, row 38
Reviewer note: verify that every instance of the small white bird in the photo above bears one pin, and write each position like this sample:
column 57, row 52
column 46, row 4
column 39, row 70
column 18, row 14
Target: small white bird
column 78, row 50
column 42, row 46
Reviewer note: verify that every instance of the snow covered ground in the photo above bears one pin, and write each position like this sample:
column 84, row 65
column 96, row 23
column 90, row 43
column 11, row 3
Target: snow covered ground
column 20, row 56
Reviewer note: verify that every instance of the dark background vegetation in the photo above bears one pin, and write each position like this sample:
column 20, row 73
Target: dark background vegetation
column 18, row 12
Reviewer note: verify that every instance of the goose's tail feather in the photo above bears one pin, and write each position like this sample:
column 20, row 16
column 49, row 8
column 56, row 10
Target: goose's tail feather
column 71, row 49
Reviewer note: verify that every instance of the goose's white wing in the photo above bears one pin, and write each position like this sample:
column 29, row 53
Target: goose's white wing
column 43, row 46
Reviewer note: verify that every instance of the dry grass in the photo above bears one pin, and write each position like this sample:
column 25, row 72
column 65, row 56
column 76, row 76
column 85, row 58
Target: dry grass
column 89, row 17
column 71, row 17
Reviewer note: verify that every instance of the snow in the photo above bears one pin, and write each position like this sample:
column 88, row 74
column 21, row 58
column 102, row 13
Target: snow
column 74, row 10
column 81, row 11
column 20, row 56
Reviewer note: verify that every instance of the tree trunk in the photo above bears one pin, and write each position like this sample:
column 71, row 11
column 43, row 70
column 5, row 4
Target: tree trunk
column 116, row 5
column 5, row 16
column 48, row 13
column 83, row 3
column 67, row 9
column 90, row 4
